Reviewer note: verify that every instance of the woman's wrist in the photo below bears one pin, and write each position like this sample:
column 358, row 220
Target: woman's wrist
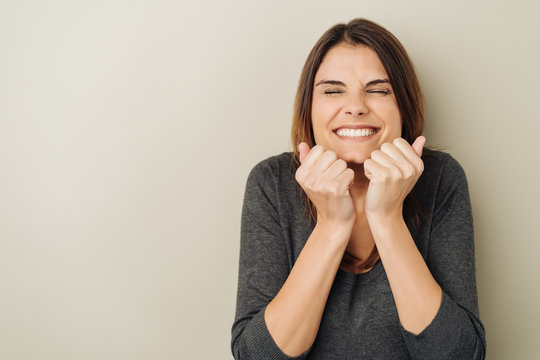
column 338, row 232
column 384, row 223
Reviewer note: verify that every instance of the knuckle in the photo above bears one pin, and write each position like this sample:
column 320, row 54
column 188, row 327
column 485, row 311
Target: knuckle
column 309, row 184
column 385, row 175
column 317, row 149
column 396, row 173
column 398, row 140
column 386, row 146
column 368, row 163
column 320, row 188
column 329, row 154
column 375, row 153
column 341, row 163
column 333, row 188
column 409, row 171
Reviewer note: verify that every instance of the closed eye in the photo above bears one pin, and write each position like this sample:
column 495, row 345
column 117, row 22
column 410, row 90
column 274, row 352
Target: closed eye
column 383, row 92
column 333, row 91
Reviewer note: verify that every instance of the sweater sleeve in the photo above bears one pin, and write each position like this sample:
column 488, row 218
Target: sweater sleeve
column 263, row 267
column 456, row 331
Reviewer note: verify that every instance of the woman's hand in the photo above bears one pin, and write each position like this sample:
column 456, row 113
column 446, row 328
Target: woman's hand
column 326, row 181
column 392, row 172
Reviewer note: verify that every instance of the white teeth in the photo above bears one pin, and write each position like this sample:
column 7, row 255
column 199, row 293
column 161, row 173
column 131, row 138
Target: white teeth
column 355, row 132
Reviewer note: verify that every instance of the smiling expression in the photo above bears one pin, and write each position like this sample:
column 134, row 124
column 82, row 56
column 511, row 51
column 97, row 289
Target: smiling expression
column 354, row 110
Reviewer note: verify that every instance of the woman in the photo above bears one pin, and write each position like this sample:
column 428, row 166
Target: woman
column 359, row 245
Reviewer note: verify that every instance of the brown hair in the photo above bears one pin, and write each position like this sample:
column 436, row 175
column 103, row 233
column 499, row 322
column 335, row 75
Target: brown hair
column 405, row 86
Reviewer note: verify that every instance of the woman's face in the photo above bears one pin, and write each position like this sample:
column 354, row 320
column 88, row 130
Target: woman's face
column 354, row 110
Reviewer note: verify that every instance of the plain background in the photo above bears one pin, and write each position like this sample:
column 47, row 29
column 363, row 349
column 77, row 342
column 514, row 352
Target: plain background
column 128, row 129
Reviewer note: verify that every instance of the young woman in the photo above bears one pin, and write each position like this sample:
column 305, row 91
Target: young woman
column 359, row 244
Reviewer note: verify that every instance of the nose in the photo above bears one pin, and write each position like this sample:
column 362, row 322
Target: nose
column 356, row 105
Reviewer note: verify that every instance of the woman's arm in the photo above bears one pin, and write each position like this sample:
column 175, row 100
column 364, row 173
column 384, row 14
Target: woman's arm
column 292, row 317
column 456, row 332
column 393, row 171
column 433, row 323
column 416, row 293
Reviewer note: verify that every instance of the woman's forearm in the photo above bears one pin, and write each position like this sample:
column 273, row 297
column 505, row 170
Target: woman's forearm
column 294, row 315
column 416, row 293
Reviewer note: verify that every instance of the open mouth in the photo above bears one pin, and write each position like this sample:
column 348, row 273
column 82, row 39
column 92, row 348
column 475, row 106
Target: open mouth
column 356, row 133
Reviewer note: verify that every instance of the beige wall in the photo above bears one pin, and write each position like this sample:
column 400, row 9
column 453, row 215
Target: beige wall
column 128, row 128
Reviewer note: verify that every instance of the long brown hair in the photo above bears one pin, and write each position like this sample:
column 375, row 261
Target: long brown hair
column 405, row 86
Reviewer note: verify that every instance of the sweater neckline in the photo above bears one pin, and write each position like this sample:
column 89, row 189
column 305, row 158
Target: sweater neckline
column 351, row 278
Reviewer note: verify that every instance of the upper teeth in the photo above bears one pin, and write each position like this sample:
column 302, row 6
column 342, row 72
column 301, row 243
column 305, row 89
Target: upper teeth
column 355, row 132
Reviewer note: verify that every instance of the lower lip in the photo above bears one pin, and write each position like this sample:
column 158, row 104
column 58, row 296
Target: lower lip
column 356, row 138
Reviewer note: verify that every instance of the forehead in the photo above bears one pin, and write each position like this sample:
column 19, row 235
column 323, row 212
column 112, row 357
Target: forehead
column 351, row 63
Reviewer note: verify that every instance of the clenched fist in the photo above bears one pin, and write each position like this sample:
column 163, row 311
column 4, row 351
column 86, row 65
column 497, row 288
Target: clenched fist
column 326, row 181
column 393, row 170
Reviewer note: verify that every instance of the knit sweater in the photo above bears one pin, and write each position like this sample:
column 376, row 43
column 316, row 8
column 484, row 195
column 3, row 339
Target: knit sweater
column 360, row 319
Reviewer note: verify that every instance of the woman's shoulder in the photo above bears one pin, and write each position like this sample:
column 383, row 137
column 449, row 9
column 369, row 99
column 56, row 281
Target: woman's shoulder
column 273, row 179
column 441, row 163
column 275, row 166
column 442, row 172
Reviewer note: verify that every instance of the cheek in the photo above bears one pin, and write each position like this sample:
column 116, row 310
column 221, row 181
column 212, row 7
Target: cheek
column 321, row 113
column 395, row 125
column 325, row 109
column 319, row 108
column 317, row 128
column 393, row 118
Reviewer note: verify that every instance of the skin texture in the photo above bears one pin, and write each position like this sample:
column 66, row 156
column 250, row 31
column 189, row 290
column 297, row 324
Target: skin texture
column 358, row 186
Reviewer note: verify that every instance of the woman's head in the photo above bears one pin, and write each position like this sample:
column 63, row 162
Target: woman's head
column 343, row 84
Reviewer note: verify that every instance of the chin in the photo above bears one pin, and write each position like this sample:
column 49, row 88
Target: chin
column 354, row 158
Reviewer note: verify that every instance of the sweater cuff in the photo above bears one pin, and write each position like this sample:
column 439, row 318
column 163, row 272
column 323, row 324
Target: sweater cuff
column 448, row 334
column 260, row 343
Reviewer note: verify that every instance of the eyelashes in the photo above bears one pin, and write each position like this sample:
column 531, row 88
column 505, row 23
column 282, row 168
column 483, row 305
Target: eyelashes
column 330, row 92
column 378, row 91
column 383, row 92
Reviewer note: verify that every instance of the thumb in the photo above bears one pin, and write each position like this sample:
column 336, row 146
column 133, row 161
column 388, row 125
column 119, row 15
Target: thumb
column 303, row 150
column 418, row 145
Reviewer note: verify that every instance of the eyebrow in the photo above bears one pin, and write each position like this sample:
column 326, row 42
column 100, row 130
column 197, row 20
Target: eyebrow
column 330, row 82
column 378, row 81
column 341, row 83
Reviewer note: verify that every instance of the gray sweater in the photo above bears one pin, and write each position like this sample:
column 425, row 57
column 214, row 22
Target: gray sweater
column 360, row 320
